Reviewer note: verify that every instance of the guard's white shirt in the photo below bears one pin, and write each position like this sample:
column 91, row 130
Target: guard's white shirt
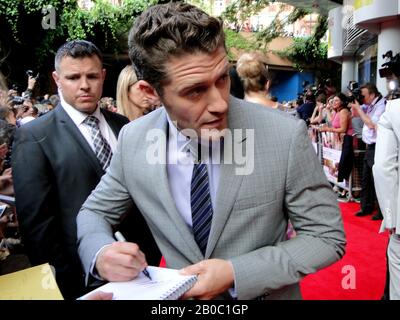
column 78, row 118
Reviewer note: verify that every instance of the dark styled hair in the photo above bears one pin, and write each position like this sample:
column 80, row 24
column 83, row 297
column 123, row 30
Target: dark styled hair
column 342, row 98
column 170, row 30
column 236, row 84
column 321, row 98
column 76, row 49
column 371, row 88
column 7, row 131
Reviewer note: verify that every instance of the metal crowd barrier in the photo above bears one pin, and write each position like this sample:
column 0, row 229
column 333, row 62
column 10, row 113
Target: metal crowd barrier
column 328, row 147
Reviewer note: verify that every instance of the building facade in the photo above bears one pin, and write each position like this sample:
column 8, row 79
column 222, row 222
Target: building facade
column 361, row 32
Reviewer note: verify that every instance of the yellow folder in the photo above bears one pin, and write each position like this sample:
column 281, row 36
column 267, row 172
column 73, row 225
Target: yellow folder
column 36, row 283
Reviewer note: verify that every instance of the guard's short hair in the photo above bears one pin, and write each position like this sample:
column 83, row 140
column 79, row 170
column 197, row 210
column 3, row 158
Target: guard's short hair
column 76, row 49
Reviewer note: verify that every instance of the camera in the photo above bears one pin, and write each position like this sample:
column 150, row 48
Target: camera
column 391, row 70
column 392, row 67
column 16, row 100
column 29, row 73
column 355, row 91
column 307, row 87
column 15, row 87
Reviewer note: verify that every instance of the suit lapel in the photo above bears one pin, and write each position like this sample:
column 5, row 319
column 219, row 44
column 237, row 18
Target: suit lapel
column 74, row 132
column 115, row 127
column 159, row 175
column 229, row 184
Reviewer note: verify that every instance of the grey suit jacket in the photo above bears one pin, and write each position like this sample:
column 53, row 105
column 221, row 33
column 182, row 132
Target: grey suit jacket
column 251, row 214
column 386, row 166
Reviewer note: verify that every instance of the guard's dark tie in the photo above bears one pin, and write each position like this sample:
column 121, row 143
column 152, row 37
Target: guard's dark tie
column 101, row 146
column 201, row 205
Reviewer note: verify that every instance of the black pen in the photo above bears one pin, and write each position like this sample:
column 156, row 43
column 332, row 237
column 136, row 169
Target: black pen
column 118, row 235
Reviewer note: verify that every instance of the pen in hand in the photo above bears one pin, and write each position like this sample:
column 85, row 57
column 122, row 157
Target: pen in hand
column 118, row 235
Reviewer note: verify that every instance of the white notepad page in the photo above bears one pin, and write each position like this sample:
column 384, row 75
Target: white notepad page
column 166, row 284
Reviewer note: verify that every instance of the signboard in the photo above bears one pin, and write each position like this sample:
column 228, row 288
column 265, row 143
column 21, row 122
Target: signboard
column 331, row 152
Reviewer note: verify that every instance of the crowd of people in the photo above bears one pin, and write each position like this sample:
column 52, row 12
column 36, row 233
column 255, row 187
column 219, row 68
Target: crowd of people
column 353, row 118
column 81, row 169
column 322, row 107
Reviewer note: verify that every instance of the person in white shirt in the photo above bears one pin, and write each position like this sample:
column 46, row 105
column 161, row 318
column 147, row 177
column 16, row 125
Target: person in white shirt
column 370, row 113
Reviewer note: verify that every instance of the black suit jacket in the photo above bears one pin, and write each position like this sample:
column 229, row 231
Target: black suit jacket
column 54, row 171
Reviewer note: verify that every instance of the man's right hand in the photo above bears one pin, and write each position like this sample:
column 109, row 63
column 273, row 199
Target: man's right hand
column 31, row 82
column 120, row 261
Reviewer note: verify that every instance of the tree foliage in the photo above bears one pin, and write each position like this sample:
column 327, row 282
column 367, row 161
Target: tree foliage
column 22, row 30
column 236, row 41
column 239, row 11
column 277, row 27
column 304, row 53
column 309, row 52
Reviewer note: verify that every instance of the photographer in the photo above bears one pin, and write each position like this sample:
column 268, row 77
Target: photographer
column 370, row 113
column 329, row 89
column 305, row 111
column 27, row 94
column 320, row 112
column 22, row 110
column 6, row 139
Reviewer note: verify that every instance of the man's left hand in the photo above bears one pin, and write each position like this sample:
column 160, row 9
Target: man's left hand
column 214, row 277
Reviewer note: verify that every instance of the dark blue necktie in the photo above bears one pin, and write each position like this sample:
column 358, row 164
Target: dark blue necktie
column 201, row 205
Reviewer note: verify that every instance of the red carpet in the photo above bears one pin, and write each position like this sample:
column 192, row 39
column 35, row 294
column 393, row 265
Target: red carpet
column 365, row 256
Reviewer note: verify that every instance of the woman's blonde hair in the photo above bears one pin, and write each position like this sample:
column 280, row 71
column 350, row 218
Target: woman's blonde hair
column 126, row 79
column 253, row 71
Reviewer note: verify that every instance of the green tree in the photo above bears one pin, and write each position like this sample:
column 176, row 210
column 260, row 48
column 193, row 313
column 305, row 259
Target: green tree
column 277, row 27
column 310, row 52
column 236, row 42
column 239, row 11
column 25, row 43
column 305, row 53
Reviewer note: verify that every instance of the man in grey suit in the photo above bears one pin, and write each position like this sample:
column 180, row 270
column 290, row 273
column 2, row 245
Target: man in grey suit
column 223, row 220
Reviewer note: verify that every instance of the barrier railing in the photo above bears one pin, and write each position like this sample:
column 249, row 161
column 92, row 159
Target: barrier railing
column 328, row 147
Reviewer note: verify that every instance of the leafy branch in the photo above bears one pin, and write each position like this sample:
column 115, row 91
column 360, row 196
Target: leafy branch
column 309, row 52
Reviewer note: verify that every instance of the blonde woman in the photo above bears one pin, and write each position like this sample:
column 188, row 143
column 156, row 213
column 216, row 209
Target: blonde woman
column 253, row 72
column 131, row 101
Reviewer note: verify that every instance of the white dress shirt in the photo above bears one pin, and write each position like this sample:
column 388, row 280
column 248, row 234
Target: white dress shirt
column 78, row 118
column 180, row 169
column 374, row 111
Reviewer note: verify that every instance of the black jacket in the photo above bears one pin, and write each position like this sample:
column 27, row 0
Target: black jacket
column 54, row 171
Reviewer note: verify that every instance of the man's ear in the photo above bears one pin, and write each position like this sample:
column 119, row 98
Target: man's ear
column 56, row 78
column 103, row 73
column 147, row 89
column 267, row 85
